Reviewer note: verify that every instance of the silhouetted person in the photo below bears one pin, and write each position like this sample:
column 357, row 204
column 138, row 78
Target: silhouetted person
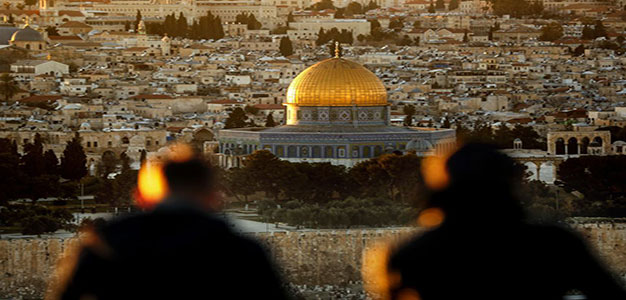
column 484, row 250
column 177, row 251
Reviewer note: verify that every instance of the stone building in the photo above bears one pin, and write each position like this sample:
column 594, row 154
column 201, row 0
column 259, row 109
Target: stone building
column 579, row 143
column 28, row 38
column 337, row 112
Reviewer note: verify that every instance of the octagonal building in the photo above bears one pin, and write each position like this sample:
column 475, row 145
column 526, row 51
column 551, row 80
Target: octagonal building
column 337, row 112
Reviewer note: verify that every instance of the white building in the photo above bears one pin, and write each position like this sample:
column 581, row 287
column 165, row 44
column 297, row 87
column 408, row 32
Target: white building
column 27, row 69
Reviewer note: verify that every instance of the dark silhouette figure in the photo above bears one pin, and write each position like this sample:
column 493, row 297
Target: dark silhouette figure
column 485, row 250
column 176, row 251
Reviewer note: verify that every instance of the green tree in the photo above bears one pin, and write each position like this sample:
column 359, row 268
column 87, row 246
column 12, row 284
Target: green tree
column 405, row 174
column 108, row 164
column 354, row 8
column 599, row 30
column 253, row 24
column 290, row 18
column 9, row 163
column 249, row 109
column 371, row 180
column 600, row 180
column 33, row 159
column 404, row 41
column 286, row 48
column 124, row 183
column 551, row 32
column 238, row 182
column 536, row 8
column 339, row 13
column 588, row 33
column 580, row 50
column 396, row 23
column 269, row 121
column 8, row 87
column 440, row 5
column 409, row 111
column 236, row 119
column 431, row 7
column 454, row 4
column 182, row 27
column 51, row 163
column 30, row 3
column 266, row 170
column 52, row 31
column 74, row 160
column 465, row 37
column 371, row 6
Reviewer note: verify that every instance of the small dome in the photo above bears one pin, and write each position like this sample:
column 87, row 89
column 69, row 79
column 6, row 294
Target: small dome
column 27, row 34
column 336, row 82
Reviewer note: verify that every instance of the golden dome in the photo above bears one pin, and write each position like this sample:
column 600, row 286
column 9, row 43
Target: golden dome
column 336, row 82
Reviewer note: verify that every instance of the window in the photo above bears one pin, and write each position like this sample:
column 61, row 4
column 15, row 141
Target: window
column 88, row 144
column 95, row 144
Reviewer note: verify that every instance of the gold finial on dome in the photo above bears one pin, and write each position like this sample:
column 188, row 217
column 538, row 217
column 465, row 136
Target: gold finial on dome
column 336, row 49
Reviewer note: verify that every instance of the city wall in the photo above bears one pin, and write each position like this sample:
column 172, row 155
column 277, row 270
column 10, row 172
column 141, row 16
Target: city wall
column 311, row 258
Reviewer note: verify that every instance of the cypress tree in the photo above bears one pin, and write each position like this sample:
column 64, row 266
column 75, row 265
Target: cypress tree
column 269, row 121
column 181, row 25
column 286, row 48
column 219, row 29
column 74, row 160
column 253, row 24
column 33, row 159
column 51, row 163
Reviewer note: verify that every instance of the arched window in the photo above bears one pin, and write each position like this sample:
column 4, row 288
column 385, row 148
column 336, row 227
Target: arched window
column 572, row 146
column 125, row 140
column 560, row 146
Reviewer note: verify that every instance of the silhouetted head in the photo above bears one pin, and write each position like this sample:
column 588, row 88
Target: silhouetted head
column 190, row 180
column 481, row 185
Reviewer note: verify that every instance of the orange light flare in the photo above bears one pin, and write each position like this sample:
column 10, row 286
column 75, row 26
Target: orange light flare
column 434, row 171
column 377, row 280
column 151, row 185
column 431, row 217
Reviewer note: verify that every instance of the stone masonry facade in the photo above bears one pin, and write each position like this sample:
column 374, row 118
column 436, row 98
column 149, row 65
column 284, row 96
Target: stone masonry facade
column 331, row 257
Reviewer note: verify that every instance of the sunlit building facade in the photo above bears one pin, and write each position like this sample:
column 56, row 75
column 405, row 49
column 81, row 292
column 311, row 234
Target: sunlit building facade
column 336, row 111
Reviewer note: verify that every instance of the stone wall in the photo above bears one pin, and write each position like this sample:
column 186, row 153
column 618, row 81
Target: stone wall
column 311, row 258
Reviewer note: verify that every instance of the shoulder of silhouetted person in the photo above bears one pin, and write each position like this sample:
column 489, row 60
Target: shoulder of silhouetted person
column 175, row 251
column 519, row 260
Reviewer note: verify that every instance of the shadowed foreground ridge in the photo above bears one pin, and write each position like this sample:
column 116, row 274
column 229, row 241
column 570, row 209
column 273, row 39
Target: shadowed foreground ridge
column 484, row 248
